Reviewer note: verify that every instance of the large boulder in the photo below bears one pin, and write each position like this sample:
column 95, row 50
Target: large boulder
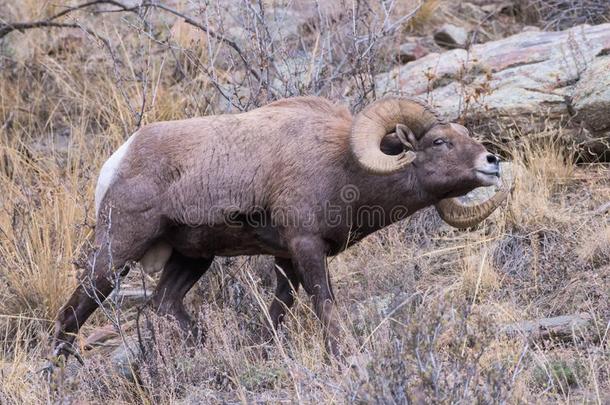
column 522, row 82
column 592, row 95
column 451, row 36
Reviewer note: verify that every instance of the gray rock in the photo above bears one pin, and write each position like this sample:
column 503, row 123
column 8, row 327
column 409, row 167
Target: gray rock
column 100, row 336
column 125, row 359
column 472, row 10
column 131, row 296
column 523, row 82
column 530, row 28
column 565, row 327
column 291, row 72
column 451, row 36
column 418, row 78
column 410, row 51
column 592, row 95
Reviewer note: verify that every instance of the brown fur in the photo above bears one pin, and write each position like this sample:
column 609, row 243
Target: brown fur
column 260, row 182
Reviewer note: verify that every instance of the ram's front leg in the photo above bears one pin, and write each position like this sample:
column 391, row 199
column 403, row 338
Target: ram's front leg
column 309, row 259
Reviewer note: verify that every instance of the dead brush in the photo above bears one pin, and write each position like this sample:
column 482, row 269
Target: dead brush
column 561, row 14
column 479, row 279
column 31, row 220
column 426, row 12
column 595, row 245
column 434, row 354
column 542, row 168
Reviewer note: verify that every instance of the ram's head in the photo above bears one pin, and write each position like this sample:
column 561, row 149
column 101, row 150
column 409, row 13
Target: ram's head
column 446, row 161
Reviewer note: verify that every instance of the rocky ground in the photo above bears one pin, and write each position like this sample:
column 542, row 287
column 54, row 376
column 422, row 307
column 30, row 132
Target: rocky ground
column 516, row 310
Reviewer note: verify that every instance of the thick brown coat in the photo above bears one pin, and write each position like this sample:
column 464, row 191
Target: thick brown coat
column 289, row 179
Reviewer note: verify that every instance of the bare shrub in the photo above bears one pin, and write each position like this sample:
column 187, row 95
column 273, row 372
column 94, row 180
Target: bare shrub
column 561, row 14
column 435, row 354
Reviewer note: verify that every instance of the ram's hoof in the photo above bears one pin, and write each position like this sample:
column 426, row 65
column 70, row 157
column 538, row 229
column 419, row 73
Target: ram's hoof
column 46, row 371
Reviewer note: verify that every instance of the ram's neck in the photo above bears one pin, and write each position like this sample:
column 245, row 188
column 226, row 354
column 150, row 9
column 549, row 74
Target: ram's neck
column 383, row 200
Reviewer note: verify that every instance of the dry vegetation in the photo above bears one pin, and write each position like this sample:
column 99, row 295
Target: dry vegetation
column 423, row 305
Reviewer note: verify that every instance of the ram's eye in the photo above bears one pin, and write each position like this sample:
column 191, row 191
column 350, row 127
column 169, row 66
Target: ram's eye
column 439, row 141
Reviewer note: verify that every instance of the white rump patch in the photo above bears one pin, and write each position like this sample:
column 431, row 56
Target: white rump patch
column 155, row 258
column 108, row 173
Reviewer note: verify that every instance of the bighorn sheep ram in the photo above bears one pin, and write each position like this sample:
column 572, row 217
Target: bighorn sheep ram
column 299, row 179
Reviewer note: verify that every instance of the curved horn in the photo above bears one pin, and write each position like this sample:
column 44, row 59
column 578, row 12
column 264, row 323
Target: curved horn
column 463, row 216
column 378, row 120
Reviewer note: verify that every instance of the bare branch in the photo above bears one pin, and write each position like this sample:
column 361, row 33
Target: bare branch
column 5, row 29
column 208, row 31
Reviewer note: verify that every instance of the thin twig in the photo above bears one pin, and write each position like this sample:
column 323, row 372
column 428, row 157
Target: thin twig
column 5, row 29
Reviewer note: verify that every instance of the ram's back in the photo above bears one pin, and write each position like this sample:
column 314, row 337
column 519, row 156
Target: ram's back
column 198, row 170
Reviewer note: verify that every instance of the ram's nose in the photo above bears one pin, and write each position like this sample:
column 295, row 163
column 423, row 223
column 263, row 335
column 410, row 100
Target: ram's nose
column 493, row 159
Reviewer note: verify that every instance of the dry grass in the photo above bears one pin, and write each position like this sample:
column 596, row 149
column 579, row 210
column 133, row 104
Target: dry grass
column 561, row 14
column 424, row 15
column 422, row 304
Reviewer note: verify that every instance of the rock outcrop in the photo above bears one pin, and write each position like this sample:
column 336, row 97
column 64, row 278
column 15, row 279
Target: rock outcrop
column 524, row 82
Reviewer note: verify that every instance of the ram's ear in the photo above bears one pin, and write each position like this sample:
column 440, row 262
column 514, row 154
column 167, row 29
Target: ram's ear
column 406, row 136
column 392, row 145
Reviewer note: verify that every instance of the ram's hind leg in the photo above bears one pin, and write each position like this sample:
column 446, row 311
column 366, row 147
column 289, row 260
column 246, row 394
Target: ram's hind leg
column 95, row 284
column 179, row 275
column 115, row 247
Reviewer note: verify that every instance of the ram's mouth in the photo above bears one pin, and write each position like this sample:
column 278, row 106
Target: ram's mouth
column 494, row 173
column 488, row 178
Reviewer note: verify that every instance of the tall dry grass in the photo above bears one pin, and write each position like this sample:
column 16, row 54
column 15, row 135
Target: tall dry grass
column 422, row 305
